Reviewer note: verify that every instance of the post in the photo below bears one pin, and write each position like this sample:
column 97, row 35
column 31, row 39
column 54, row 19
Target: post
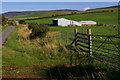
column 59, row 36
column 66, row 37
column 75, row 32
column 90, row 41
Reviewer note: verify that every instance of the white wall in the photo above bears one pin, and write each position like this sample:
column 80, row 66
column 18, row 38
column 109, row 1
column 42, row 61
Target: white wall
column 77, row 23
column 65, row 22
column 87, row 22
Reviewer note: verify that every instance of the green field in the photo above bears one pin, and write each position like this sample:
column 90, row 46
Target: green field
column 96, row 30
column 100, row 18
column 39, row 15
column 51, row 57
column 23, row 57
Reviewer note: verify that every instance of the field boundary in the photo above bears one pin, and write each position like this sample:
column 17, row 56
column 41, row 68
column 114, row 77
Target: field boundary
column 106, row 49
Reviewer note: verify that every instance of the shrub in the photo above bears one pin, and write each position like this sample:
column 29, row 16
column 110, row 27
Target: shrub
column 4, row 20
column 74, row 13
column 38, row 30
column 22, row 21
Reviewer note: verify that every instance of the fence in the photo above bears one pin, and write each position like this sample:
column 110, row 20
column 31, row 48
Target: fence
column 64, row 36
column 53, row 34
column 100, row 47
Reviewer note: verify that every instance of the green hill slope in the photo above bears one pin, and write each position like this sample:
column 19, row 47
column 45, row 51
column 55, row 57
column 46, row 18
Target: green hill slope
column 39, row 15
column 100, row 18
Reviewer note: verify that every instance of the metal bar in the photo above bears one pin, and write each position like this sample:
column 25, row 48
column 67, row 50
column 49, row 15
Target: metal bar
column 81, row 34
column 82, row 45
column 84, row 50
column 83, row 42
column 106, row 48
column 104, row 42
column 107, row 60
column 106, row 52
column 100, row 35
column 106, row 56
column 108, row 63
column 101, row 44
column 107, row 36
column 73, row 41
column 113, row 43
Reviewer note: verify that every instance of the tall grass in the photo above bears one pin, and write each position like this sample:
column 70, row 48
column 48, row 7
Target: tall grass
column 23, row 56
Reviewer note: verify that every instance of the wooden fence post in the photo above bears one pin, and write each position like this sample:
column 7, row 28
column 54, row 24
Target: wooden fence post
column 59, row 36
column 75, row 32
column 66, row 37
column 90, row 41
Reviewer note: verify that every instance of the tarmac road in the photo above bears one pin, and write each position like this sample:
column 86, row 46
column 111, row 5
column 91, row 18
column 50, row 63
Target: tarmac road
column 5, row 34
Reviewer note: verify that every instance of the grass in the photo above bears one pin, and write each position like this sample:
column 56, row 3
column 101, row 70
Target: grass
column 4, row 27
column 96, row 30
column 103, row 18
column 67, row 36
column 50, row 57
column 44, row 58
column 18, row 53
column 39, row 15
column 38, row 57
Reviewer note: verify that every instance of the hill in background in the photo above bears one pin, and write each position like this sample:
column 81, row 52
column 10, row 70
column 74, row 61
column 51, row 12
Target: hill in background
column 105, row 8
column 23, row 13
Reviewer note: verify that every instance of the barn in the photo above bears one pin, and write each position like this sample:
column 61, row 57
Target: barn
column 88, row 23
column 65, row 22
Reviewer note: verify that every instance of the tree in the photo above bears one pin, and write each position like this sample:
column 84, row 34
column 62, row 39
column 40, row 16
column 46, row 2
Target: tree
column 4, row 20
column 22, row 21
column 38, row 30
column 74, row 13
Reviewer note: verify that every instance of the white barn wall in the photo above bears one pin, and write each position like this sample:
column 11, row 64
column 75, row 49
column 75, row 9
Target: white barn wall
column 63, row 22
column 77, row 23
column 88, row 22
column 66, row 22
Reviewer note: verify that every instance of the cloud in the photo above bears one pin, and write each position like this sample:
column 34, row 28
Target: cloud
column 86, row 8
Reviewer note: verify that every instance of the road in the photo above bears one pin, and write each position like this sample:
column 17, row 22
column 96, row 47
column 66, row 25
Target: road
column 5, row 34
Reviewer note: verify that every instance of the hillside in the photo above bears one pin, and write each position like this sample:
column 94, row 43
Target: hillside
column 40, row 15
column 118, row 6
column 101, row 17
column 23, row 13
column 64, row 53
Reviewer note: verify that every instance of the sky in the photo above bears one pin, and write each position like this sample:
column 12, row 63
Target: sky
column 60, row 0
column 38, row 6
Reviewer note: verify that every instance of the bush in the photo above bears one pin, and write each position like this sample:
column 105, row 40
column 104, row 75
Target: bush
column 22, row 21
column 38, row 30
column 4, row 20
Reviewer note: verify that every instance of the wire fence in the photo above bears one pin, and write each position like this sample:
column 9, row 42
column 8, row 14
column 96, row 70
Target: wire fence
column 102, row 47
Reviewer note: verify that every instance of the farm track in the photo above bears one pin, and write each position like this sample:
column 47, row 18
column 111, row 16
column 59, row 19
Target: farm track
column 5, row 34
